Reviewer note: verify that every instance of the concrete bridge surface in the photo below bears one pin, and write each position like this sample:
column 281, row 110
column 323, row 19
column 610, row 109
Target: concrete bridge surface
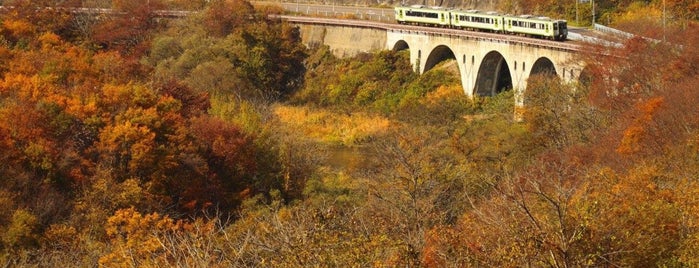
column 488, row 63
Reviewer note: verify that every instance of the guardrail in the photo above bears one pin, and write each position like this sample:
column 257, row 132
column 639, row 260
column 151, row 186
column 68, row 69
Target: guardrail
column 610, row 30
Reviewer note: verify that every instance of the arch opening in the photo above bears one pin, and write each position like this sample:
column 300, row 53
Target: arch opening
column 542, row 70
column 438, row 54
column 493, row 75
column 586, row 77
column 543, row 66
column 400, row 45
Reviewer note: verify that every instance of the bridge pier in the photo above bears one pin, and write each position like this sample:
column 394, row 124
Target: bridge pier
column 488, row 63
column 486, row 66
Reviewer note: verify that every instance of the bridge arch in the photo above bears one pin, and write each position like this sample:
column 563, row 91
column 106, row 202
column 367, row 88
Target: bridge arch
column 437, row 55
column 543, row 66
column 586, row 78
column 400, row 45
column 493, row 75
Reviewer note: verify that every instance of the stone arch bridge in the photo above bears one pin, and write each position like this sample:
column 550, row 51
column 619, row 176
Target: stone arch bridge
column 488, row 63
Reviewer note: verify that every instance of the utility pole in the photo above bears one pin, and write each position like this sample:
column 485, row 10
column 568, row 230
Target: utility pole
column 664, row 20
column 576, row 12
column 593, row 13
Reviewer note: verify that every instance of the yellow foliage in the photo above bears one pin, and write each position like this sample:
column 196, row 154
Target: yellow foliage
column 332, row 127
column 62, row 236
column 28, row 86
column 443, row 92
column 49, row 40
column 639, row 11
column 135, row 237
column 20, row 232
column 128, row 142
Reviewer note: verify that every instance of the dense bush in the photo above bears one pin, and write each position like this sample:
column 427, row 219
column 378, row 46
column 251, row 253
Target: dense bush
column 189, row 145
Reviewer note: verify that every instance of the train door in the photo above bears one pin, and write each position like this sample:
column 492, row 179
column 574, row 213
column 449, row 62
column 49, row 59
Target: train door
column 562, row 30
column 399, row 14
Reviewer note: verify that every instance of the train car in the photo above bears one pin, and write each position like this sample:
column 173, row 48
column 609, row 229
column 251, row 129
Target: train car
column 421, row 15
column 536, row 26
column 476, row 20
column 541, row 27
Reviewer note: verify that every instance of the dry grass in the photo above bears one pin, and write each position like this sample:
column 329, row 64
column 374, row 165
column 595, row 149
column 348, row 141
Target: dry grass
column 332, row 128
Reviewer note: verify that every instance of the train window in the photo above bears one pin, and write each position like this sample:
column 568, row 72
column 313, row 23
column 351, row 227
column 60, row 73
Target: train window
column 524, row 66
column 422, row 14
column 473, row 59
column 464, row 60
column 555, row 26
column 515, row 65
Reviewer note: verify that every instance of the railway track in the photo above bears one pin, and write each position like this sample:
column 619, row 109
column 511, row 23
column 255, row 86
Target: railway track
column 484, row 36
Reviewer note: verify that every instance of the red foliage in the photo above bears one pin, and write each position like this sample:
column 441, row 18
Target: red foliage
column 130, row 30
column 223, row 16
column 193, row 104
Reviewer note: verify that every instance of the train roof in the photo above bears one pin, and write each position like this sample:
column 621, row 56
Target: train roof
column 534, row 18
column 475, row 11
column 424, row 7
column 491, row 13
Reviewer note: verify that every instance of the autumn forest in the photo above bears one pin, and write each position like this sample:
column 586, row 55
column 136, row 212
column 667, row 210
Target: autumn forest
column 221, row 140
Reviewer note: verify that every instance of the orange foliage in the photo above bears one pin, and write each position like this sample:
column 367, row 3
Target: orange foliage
column 17, row 28
column 633, row 134
column 135, row 237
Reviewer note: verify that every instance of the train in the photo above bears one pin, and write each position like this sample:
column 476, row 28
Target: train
column 475, row 20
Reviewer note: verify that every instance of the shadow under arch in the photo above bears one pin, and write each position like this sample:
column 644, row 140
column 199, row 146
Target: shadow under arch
column 400, row 45
column 542, row 69
column 586, row 78
column 543, row 66
column 437, row 55
column 493, row 75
